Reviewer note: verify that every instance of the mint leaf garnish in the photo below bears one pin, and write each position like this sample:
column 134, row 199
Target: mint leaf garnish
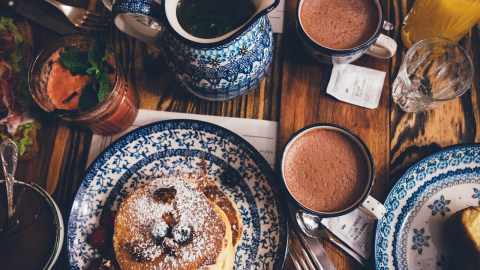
column 90, row 63
column 93, row 72
column 104, row 85
column 75, row 60
column 88, row 99
column 95, row 58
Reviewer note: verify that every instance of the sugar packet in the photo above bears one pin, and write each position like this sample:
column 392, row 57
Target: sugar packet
column 356, row 85
column 354, row 229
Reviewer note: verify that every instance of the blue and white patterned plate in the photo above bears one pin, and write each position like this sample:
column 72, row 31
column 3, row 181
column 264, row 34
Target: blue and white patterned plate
column 169, row 147
column 411, row 233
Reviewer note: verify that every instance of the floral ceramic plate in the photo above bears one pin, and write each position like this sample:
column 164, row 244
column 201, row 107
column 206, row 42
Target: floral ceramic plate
column 168, row 147
column 411, row 233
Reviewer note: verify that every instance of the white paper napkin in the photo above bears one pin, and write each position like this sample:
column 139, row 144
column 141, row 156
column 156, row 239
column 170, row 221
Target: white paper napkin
column 261, row 134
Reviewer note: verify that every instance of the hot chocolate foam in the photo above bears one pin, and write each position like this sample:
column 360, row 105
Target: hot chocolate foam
column 325, row 170
column 339, row 24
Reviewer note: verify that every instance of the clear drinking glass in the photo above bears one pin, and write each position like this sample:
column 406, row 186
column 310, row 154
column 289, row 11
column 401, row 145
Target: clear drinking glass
column 114, row 114
column 435, row 70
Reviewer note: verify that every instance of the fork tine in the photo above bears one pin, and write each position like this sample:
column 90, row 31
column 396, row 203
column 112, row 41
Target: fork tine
column 98, row 15
column 81, row 17
column 91, row 27
column 94, row 20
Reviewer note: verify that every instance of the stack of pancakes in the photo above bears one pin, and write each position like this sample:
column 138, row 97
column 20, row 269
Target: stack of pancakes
column 185, row 201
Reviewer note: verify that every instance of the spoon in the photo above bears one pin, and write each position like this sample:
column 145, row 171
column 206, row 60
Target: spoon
column 312, row 226
column 9, row 154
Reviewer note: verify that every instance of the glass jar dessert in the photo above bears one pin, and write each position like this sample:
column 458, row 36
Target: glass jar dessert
column 78, row 78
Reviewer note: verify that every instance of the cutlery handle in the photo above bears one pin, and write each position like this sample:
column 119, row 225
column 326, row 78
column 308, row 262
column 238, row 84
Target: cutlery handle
column 298, row 253
column 317, row 252
column 348, row 250
column 9, row 188
column 9, row 155
column 55, row 4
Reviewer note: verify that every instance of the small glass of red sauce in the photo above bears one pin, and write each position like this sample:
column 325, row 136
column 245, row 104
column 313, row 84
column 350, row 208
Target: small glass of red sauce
column 57, row 90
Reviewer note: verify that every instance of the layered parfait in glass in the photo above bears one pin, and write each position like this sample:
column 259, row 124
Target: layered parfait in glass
column 78, row 78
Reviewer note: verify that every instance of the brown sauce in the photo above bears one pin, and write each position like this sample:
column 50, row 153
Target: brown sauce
column 27, row 239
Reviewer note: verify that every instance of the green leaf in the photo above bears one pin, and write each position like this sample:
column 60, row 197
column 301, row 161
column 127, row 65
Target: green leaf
column 88, row 99
column 95, row 58
column 91, row 71
column 75, row 61
column 94, row 72
column 104, row 85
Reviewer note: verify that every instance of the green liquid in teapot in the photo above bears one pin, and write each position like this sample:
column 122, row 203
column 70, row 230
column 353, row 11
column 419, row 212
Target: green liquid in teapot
column 213, row 18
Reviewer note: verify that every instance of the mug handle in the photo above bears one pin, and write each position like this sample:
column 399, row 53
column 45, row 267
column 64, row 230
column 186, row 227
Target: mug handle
column 385, row 47
column 373, row 207
column 141, row 19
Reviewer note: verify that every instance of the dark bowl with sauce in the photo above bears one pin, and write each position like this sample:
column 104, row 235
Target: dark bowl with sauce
column 33, row 237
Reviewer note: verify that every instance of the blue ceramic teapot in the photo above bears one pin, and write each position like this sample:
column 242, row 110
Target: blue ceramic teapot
column 218, row 68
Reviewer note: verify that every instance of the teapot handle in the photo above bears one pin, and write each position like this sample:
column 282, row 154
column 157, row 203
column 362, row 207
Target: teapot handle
column 142, row 19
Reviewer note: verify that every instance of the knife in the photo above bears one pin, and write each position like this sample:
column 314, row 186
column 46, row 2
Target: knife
column 38, row 16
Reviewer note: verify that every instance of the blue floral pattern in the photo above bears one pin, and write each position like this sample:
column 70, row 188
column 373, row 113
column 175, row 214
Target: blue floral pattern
column 419, row 240
column 476, row 195
column 440, row 206
column 171, row 147
column 422, row 187
column 227, row 71
column 445, row 263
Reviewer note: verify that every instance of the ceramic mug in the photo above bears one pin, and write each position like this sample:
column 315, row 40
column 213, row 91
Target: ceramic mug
column 217, row 69
column 379, row 45
column 366, row 202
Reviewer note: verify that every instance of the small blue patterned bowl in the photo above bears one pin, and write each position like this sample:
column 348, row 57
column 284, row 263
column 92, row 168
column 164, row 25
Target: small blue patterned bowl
column 217, row 69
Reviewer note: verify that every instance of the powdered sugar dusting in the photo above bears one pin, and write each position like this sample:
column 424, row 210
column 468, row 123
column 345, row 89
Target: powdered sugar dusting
column 189, row 209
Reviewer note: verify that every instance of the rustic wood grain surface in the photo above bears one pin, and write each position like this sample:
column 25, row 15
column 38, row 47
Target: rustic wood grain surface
column 293, row 93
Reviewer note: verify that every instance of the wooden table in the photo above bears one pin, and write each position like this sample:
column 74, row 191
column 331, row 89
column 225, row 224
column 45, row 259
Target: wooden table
column 293, row 93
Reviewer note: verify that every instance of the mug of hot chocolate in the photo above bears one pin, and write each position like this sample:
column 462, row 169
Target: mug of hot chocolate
column 340, row 31
column 328, row 171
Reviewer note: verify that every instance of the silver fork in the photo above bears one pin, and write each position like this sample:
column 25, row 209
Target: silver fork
column 82, row 18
